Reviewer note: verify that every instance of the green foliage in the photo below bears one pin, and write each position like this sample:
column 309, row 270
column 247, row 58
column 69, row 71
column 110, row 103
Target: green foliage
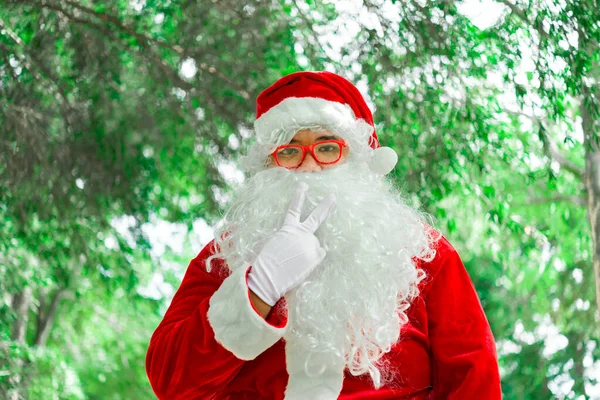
column 115, row 116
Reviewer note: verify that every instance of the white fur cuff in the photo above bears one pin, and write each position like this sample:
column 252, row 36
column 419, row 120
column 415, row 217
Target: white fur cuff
column 237, row 326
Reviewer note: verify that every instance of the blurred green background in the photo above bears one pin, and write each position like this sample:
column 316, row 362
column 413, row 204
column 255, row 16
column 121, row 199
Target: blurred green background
column 120, row 123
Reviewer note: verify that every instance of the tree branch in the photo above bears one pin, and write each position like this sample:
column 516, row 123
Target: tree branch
column 144, row 41
column 54, row 85
column 40, row 65
column 553, row 153
column 549, row 148
column 579, row 201
column 46, row 317
column 523, row 16
column 308, row 24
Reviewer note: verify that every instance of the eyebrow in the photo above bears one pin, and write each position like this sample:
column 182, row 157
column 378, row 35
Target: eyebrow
column 330, row 137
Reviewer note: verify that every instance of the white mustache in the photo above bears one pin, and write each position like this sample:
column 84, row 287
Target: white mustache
column 352, row 304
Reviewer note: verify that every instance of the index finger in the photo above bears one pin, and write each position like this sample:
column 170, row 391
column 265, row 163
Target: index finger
column 297, row 202
column 322, row 211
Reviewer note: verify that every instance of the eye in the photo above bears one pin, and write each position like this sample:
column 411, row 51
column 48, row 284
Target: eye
column 328, row 148
column 287, row 152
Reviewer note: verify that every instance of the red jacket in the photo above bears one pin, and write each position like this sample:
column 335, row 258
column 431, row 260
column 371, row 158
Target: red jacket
column 212, row 344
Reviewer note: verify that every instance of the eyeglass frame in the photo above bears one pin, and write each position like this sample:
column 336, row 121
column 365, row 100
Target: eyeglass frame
column 310, row 148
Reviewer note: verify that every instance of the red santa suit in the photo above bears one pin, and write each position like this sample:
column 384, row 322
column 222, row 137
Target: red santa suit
column 446, row 350
column 213, row 344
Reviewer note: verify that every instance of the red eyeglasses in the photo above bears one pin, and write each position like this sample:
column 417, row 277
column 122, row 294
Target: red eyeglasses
column 292, row 155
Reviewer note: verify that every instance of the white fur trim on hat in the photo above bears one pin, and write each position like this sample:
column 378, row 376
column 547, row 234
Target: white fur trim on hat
column 237, row 326
column 383, row 160
column 301, row 111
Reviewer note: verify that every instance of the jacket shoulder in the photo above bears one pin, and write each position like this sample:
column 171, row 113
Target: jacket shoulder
column 444, row 252
column 209, row 264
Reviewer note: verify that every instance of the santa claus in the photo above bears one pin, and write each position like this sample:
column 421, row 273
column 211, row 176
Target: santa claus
column 322, row 282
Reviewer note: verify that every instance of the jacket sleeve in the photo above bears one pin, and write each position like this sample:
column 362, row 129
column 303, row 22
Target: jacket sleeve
column 208, row 332
column 465, row 364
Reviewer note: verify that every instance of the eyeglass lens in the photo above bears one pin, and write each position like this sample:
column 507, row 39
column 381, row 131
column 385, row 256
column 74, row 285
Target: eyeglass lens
column 291, row 156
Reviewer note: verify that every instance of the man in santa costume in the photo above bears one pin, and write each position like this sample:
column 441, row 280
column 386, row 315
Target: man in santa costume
column 322, row 282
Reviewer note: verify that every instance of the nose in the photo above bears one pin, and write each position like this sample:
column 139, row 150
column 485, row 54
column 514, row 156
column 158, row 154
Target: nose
column 309, row 164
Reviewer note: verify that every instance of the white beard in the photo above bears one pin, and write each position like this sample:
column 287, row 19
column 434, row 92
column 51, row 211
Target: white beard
column 354, row 303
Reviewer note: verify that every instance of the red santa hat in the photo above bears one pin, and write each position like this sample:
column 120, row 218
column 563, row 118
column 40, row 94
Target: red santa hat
column 306, row 98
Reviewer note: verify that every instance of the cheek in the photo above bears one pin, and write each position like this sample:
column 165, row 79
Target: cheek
column 344, row 155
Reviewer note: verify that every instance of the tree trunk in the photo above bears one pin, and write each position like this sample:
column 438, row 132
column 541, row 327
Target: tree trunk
column 577, row 347
column 46, row 318
column 592, row 180
column 21, row 305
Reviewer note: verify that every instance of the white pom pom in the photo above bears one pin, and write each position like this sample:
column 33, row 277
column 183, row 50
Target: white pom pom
column 383, row 160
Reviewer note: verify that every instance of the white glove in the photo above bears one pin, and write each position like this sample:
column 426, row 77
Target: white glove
column 293, row 251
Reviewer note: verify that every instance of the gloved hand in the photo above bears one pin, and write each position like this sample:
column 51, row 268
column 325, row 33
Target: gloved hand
column 292, row 253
